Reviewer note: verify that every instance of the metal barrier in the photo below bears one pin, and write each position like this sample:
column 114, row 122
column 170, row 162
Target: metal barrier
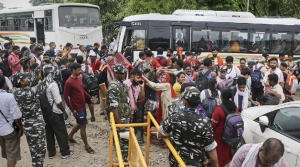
column 135, row 155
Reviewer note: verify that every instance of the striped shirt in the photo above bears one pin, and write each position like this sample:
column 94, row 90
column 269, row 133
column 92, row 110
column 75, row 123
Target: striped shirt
column 241, row 154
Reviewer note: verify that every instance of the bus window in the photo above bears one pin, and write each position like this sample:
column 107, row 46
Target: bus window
column 159, row 37
column 234, row 37
column 204, row 39
column 281, row 39
column 25, row 21
column 48, row 20
column 13, row 22
column 296, row 48
column 259, row 42
column 2, row 22
column 70, row 16
column 181, row 37
column 135, row 38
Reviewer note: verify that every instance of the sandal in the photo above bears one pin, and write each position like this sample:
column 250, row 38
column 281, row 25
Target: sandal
column 72, row 140
column 90, row 150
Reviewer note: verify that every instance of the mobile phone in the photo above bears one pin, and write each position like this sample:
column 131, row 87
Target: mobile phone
column 141, row 82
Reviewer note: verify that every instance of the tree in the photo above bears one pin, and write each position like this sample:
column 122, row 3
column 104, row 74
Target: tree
column 37, row 2
column 1, row 6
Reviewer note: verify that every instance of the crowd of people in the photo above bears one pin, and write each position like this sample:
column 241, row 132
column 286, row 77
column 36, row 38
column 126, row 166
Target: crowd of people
column 190, row 98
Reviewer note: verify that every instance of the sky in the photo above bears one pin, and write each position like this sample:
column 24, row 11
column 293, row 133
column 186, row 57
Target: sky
column 15, row 3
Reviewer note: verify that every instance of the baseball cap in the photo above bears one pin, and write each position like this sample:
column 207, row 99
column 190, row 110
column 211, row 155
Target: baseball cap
column 191, row 94
column 118, row 68
column 17, row 78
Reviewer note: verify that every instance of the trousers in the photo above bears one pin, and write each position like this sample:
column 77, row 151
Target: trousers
column 56, row 127
column 35, row 135
column 124, row 142
column 68, row 111
column 257, row 93
column 102, row 103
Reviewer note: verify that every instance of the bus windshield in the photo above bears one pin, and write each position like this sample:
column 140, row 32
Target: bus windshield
column 73, row 16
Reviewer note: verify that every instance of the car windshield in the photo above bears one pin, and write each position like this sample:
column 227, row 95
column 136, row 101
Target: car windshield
column 72, row 16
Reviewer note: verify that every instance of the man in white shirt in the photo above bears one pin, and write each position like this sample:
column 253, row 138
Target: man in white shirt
column 276, row 89
column 273, row 70
column 222, row 76
column 82, row 52
column 56, row 126
column 232, row 71
column 111, row 45
column 9, row 138
column 8, row 83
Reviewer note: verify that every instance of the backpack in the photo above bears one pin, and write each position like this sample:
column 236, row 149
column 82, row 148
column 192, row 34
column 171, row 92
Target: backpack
column 209, row 104
column 291, row 83
column 226, row 83
column 90, row 82
column 138, row 65
column 202, row 81
column 256, row 77
column 46, row 107
column 269, row 99
column 297, row 72
column 59, row 80
column 148, row 70
column 251, row 64
column 5, row 68
column 233, row 128
column 162, row 61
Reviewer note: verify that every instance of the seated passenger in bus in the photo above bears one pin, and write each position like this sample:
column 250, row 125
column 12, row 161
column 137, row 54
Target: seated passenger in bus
column 234, row 47
column 255, row 48
column 297, row 46
column 288, row 47
column 277, row 47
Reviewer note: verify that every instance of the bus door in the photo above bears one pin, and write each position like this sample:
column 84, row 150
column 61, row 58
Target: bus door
column 135, row 37
column 181, row 36
column 39, row 25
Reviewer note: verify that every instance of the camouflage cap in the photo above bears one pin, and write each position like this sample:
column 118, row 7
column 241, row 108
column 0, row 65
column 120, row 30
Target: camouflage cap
column 191, row 94
column 118, row 68
column 17, row 78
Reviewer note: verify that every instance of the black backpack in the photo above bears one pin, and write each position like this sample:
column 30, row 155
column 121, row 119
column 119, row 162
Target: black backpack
column 5, row 68
column 90, row 82
column 202, row 81
column 46, row 107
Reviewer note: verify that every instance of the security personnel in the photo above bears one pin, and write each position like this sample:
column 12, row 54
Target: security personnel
column 118, row 102
column 29, row 104
column 192, row 133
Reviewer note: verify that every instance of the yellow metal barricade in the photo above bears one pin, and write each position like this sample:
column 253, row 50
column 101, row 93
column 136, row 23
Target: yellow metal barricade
column 135, row 155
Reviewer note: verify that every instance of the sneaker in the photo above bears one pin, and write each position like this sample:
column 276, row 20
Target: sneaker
column 51, row 156
column 66, row 156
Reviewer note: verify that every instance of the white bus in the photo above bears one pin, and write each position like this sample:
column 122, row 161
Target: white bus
column 76, row 23
column 239, row 34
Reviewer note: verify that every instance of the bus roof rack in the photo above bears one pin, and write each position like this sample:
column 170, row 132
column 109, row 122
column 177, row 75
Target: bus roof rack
column 182, row 12
column 44, row 4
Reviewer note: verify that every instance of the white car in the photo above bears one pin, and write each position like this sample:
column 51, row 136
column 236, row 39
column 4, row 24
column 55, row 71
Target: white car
column 275, row 121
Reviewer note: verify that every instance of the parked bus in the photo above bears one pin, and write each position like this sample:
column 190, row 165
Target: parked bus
column 239, row 34
column 76, row 23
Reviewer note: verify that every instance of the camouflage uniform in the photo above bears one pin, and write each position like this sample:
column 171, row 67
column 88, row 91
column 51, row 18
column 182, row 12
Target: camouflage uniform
column 192, row 133
column 177, row 105
column 32, row 117
column 118, row 98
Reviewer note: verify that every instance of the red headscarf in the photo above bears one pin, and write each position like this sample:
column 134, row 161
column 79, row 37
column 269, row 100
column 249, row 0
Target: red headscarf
column 167, row 81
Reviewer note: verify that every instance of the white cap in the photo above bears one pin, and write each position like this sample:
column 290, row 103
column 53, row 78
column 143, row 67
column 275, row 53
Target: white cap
column 261, row 59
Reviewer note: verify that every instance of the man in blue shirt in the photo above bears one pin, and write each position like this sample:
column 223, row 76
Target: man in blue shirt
column 51, row 51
